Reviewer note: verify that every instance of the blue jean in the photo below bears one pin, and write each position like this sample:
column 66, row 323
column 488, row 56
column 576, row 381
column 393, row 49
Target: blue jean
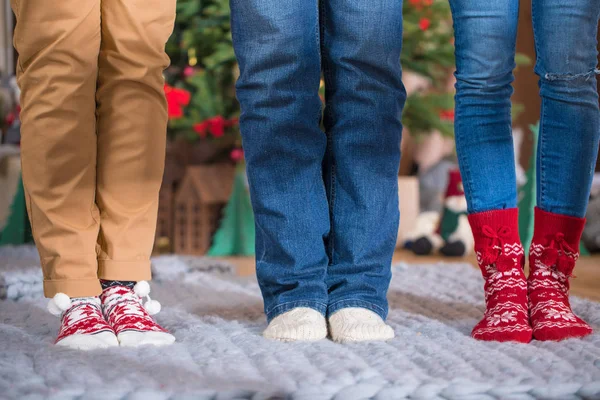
column 325, row 203
column 565, row 38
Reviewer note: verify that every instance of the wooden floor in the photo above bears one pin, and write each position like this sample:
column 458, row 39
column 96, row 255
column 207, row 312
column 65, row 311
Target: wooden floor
column 586, row 284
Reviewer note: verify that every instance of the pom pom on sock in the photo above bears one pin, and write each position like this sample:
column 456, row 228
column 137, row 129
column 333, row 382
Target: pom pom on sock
column 152, row 306
column 142, row 288
column 59, row 304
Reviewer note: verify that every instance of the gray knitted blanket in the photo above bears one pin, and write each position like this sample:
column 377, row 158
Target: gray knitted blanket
column 218, row 319
column 21, row 275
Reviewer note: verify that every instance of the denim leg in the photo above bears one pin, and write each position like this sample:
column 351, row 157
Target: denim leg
column 566, row 46
column 485, row 47
column 277, row 43
column 361, row 43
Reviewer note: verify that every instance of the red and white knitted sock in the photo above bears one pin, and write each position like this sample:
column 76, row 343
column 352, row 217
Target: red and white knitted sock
column 501, row 258
column 122, row 306
column 82, row 324
column 552, row 256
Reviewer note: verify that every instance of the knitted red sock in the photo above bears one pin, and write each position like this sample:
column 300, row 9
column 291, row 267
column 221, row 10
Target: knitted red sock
column 552, row 256
column 501, row 258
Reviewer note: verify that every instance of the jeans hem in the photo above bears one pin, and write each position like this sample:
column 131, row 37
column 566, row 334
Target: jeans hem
column 338, row 305
column 284, row 307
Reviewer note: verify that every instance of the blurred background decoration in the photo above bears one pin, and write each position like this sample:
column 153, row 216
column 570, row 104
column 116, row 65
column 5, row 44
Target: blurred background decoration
column 204, row 200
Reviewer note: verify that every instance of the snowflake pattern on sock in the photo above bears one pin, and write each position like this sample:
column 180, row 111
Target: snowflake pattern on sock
column 549, row 307
column 500, row 257
column 124, row 311
column 506, row 316
column 83, row 318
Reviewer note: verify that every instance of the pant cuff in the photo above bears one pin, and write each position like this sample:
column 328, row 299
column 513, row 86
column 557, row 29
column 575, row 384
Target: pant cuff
column 124, row 270
column 72, row 287
column 284, row 307
column 338, row 305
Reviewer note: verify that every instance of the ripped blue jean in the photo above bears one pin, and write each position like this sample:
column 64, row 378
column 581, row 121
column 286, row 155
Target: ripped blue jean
column 566, row 63
column 325, row 203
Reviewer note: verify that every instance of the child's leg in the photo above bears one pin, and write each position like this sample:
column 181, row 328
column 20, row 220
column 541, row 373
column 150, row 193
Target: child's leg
column 361, row 43
column 485, row 47
column 565, row 34
column 277, row 46
column 132, row 123
column 58, row 45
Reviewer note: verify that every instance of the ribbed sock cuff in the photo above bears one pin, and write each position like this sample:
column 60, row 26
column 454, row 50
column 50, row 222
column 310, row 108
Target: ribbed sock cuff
column 496, row 220
column 109, row 283
column 548, row 224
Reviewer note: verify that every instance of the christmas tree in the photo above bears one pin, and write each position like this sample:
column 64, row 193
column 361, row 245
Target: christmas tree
column 201, row 80
column 200, row 85
column 203, row 108
column 235, row 235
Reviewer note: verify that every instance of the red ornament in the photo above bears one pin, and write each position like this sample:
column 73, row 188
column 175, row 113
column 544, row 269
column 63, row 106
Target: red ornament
column 424, row 24
column 176, row 100
column 188, row 71
column 237, row 155
column 447, row 115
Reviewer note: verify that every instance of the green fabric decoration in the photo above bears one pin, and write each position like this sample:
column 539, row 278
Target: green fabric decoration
column 527, row 196
column 235, row 236
column 527, row 199
column 17, row 230
column 449, row 223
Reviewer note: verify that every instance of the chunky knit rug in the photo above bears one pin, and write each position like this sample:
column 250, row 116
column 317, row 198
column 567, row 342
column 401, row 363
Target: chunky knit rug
column 217, row 319
column 21, row 275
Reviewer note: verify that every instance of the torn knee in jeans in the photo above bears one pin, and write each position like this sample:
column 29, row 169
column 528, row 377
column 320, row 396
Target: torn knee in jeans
column 585, row 76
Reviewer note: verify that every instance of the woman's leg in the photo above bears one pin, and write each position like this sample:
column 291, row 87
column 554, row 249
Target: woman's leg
column 485, row 48
column 277, row 46
column 565, row 34
column 132, row 126
column 361, row 43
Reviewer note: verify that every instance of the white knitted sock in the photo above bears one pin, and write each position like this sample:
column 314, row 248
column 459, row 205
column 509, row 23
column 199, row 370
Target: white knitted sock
column 355, row 324
column 298, row 324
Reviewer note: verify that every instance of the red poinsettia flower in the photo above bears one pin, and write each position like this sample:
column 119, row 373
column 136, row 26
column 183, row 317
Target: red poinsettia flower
column 232, row 122
column 201, row 128
column 447, row 115
column 177, row 99
column 424, row 24
column 216, row 126
column 237, row 155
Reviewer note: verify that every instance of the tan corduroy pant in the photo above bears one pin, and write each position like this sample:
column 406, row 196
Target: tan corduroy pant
column 93, row 135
